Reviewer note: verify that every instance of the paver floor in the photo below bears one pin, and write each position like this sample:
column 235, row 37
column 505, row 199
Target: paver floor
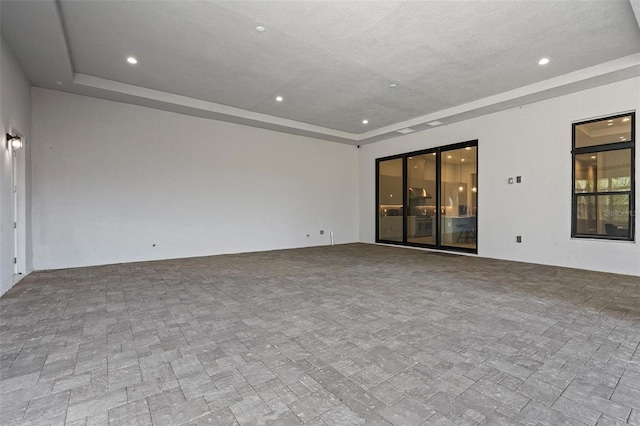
column 339, row 335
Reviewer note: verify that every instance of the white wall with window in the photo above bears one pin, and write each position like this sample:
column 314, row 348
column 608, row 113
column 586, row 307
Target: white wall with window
column 604, row 156
column 534, row 142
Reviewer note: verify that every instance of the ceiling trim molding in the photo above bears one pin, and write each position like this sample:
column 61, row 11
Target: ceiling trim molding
column 219, row 110
column 635, row 5
column 550, row 86
column 65, row 37
column 622, row 68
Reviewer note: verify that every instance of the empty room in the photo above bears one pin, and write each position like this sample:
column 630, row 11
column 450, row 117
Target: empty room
column 319, row 212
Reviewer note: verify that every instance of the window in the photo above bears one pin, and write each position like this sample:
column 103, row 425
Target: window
column 429, row 198
column 604, row 178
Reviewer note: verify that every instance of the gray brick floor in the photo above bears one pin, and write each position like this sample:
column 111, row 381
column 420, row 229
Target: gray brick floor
column 343, row 335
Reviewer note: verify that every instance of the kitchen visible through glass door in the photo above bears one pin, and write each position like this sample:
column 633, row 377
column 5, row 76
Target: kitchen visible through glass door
column 459, row 198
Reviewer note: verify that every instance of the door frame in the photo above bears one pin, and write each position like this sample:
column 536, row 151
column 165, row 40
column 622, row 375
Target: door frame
column 438, row 221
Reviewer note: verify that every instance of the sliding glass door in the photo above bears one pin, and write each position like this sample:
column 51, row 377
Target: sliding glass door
column 429, row 198
column 421, row 199
column 390, row 199
column 458, row 197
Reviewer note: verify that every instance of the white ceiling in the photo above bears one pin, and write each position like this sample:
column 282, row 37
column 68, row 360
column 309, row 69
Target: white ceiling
column 332, row 61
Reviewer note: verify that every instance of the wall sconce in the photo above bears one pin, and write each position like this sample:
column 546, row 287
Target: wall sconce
column 14, row 142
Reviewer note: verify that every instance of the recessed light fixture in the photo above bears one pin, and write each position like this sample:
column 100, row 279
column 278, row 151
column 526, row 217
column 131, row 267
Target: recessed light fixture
column 393, row 85
column 279, row 98
column 410, row 158
column 624, row 120
column 434, row 123
column 468, row 148
column 260, row 29
column 462, row 159
column 593, row 157
column 610, row 124
column 622, row 138
column 415, row 167
column 448, row 156
column 365, row 121
column 543, row 61
column 609, row 121
column 405, row 130
column 132, row 60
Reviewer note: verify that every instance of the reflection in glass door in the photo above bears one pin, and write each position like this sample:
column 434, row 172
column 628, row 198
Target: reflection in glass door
column 458, row 198
column 421, row 199
column 390, row 200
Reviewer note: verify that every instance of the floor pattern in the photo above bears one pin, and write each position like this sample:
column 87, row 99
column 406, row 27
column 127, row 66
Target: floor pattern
column 340, row 335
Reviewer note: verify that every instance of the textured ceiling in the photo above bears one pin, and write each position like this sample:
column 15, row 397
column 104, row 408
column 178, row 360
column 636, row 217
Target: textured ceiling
column 332, row 61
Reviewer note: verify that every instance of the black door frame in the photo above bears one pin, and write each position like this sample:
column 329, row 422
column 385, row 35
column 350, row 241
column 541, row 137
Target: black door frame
column 438, row 222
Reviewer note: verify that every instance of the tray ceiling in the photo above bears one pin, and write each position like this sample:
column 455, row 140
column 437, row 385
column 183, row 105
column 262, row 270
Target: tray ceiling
column 334, row 63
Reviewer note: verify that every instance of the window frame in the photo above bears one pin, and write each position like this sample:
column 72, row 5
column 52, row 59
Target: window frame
column 603, row 148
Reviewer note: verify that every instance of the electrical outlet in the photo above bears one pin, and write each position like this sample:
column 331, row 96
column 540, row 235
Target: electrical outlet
column 322, row 232
column 518, row 179
column 518, row 239
column 510, row 180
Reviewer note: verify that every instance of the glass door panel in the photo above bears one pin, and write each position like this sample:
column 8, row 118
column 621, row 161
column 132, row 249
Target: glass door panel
column 458, row 198
column 421, row 199
column 390, row 200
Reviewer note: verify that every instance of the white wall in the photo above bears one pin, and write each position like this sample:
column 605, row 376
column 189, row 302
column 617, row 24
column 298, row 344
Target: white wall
column 534, row 142
column 111, row 180
column 14, row 118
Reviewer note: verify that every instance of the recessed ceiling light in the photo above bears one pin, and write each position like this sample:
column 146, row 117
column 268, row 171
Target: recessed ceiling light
column 468, row 148
column 132, row 60
column 405, row 130
column 260, row 29
column 462, row 159
column 365, row 121
column 410, row 158
column 622, row 138
column 609, row 121
column 434, row 123
column 624, row 120
column 279, row 98
column 415, row 167
column 393, row 85
column 543, row 61
column 593, row 157
column 448, row 156
column 609, row 124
